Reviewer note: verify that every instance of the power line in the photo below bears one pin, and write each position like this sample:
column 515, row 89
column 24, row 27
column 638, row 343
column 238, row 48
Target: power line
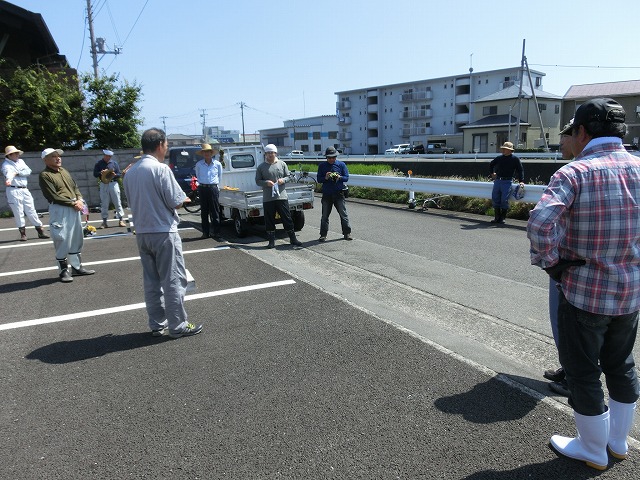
column 583, row 66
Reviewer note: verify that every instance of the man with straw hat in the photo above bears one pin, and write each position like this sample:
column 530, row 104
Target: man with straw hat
column 503, row 170
column 15, row 172
column 209, row 174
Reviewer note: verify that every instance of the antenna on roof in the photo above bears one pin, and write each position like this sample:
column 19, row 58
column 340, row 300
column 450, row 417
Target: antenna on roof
column 471, row 63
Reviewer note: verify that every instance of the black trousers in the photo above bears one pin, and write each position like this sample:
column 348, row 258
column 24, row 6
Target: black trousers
column 270, row 209
column 210, row 212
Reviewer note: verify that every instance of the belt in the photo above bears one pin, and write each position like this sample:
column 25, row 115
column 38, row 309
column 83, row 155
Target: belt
column 13, row 186
column 208, row 184
column 504, row 178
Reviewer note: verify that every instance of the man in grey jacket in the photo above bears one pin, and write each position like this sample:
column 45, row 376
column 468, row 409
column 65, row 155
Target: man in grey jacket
column 272, row 175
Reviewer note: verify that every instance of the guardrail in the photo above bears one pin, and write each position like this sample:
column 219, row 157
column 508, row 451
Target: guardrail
column 459, row 188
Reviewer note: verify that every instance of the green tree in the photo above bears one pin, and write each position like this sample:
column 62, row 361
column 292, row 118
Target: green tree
column 112, row 111
column 41, row 109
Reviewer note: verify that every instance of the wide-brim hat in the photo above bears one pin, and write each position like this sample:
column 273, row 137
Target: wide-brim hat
column 331, row 152
column 207, row 148
column 139, row 155
column 49, row 151
column 9, row 149
column 507, row 146
column 108, row 152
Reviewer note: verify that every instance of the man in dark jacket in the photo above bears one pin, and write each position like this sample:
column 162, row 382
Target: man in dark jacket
column 504, row 168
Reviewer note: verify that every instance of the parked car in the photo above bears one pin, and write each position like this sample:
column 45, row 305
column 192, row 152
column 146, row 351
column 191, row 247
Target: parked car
column 395, row 150
column 182, row 162
column 295, row 154
column 416, row 149
column 439, row 148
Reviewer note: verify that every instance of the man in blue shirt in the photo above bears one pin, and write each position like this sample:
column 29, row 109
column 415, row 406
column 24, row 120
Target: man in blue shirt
column 333, row 174
column 209, row 174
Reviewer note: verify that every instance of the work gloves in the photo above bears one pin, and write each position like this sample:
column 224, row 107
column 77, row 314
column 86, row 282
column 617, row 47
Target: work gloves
column 555, row 271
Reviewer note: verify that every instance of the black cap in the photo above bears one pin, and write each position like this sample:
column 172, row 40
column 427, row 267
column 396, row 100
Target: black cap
column 331, row 152
column 566, row 130
column 604, row 110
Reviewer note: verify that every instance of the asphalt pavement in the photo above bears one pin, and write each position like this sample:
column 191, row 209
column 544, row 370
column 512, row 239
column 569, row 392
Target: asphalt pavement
column 287, row 379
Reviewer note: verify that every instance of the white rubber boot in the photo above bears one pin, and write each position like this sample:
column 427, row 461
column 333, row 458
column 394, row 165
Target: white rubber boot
column 621, row 417
column 590, row 444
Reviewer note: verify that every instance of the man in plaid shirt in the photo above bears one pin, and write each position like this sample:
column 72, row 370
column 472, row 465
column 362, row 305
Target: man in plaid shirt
column 585, row 233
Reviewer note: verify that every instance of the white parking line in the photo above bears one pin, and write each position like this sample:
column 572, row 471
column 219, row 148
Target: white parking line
column 137, row 306
column 90, row 237
column 101, row 262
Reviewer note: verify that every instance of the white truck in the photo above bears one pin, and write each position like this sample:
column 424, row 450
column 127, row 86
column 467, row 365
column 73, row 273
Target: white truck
column 240, row 197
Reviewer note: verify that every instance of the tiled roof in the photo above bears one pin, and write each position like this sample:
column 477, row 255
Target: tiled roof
column 608, row 89
column 512, row 92
column 496, row 120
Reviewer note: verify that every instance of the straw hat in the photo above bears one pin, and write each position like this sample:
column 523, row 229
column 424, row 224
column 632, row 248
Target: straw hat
column 507, row 146
column 11, row 149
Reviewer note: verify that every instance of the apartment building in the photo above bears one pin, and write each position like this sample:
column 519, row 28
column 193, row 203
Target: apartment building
column 311, row 135
column 372, row 119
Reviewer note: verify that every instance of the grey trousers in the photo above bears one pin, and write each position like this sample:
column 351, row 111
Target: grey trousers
column 65, row 226
column 165, row 279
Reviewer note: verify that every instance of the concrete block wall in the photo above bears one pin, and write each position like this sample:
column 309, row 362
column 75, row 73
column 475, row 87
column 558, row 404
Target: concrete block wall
column 80, row 164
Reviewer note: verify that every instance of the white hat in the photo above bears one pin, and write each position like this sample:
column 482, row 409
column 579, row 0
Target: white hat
column 49, row 151
column 271, row 148
column 107, row 152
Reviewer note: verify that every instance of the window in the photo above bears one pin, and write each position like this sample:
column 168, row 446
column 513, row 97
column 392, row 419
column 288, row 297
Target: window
column 316, row 135
column 491, row 110
column 301, row 136
column 557, row 109
column 480, row 143
column 243, row 160
column 333, row 135
column 542, row 106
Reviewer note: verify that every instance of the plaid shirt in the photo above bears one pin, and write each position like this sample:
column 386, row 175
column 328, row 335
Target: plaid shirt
column 590, row 210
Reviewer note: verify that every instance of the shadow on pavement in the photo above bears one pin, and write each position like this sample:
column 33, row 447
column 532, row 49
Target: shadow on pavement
column 21, row 286
column 488, row 402
column 78, row 350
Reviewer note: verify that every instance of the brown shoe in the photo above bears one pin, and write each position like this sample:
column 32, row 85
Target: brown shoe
column 121, row 223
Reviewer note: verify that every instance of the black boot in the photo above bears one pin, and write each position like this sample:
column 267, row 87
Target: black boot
column 503, row 215
column 41, row 233
column 65, row 276
column 497, row 214
column 272, row 239
column 23, row 234
column 76, row 272
column 292, row 238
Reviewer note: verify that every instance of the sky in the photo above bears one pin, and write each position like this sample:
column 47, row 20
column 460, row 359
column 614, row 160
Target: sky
column 285, row 59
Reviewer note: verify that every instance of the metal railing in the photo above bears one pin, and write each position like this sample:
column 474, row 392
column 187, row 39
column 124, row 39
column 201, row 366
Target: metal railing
column 459, row 188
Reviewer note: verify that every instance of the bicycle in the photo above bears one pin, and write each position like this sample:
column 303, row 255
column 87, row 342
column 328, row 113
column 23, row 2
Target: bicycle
column 193, row 206
column 303, row 177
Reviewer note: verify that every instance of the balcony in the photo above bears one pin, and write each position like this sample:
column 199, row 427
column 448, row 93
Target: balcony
column 462, row 118
column 344, row 121
column 371, row 124
column 463, row 99
column 463, row 81
column 372, row 141
column 415, row 114
column 415, row 96
column 345, row 136
column 405, row 132
column 372, row 108
column 343, row 105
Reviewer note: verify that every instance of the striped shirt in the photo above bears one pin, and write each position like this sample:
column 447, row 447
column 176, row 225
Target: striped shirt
column 590, row 211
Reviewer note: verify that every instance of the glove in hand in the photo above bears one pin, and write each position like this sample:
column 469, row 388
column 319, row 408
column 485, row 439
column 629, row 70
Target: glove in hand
column 555, row 271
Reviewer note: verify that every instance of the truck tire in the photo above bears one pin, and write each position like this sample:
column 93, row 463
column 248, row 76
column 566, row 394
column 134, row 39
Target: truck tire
column 298, row 220
column 239, row 224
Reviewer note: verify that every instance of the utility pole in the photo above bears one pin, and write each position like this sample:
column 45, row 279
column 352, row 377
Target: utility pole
column 244, row 139
column 520, row 97
column 97, row 44
column 94, row 53
column 204, row 124
column 164, row 125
